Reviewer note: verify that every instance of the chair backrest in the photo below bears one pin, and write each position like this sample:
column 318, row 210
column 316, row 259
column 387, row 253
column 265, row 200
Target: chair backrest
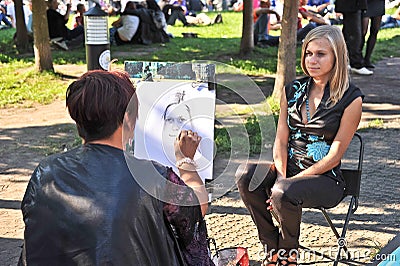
column 352, row 166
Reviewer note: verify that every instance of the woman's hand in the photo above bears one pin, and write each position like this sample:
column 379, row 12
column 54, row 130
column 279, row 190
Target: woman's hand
column 186, row 144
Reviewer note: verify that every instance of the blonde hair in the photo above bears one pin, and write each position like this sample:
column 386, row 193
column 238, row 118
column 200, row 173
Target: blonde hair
column 339, row 79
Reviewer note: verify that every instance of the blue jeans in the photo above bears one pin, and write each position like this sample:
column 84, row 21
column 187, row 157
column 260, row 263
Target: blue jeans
column 5, row 19
column 261, row 32
column 389, row 22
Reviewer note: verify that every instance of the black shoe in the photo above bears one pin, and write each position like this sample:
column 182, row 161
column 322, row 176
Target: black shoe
column 217, row 19
column 369, row 65
column 262, row 45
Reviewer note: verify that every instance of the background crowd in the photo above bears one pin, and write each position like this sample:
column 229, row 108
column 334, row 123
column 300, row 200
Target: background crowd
column 145, row 22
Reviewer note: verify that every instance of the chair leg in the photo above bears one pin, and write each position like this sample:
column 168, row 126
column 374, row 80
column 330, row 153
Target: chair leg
column 342, row 245
column 340, row 238
column 334, row 230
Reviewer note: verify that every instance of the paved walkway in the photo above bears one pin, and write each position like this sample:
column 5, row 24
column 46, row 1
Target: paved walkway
column 376, row 222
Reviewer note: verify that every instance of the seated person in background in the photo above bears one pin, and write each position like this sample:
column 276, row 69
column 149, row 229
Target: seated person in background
column 314, row 20
column 392, row 4
column 318, row 6
column 261, row 24
column 80, row 9
column 237, row 6
column 194, row 6
column 126, row 26
column 176, row 10
column 392, row 21
column 11, row 12
column 57, row 25
column 3, row 17
column 89, row 206
column 203, row 19
column 274, row 24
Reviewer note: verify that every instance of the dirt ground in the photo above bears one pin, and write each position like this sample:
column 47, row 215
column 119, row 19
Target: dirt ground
column 28, row 135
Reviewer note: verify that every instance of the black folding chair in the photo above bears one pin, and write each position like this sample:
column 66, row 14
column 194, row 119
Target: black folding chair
column 352, row 178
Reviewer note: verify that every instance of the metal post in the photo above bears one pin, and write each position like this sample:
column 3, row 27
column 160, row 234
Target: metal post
column 97, row 38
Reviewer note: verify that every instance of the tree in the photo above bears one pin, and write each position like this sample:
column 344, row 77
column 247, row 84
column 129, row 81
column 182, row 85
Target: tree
column 247, row 43
column 21, row 37
column 286, row 68
column 41, row 44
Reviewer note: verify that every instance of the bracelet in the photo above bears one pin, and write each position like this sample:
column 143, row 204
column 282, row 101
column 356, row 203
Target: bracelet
column 186, row 160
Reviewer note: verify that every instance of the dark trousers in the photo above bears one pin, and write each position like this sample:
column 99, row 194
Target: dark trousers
column 75, row 33
column 352, row 32
column 256, row 184
column 172, row 13
column 261, row 32
column 302, row 33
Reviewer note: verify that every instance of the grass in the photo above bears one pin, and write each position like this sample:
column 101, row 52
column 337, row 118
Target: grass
column 376, row 123
column 255, row 136
column 20, row 85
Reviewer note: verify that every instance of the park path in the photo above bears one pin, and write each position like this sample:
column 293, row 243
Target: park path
column 25, row 135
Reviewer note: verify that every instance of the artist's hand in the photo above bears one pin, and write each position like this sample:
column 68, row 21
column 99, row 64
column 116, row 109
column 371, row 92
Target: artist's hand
column 186, row 144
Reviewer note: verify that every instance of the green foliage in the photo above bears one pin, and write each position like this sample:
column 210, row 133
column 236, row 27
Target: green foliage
column 254, row 134
column 273, row 105
column 222, row 140
column 387, row 44
column 258, row 136
column 376, row 123
column 6, row 45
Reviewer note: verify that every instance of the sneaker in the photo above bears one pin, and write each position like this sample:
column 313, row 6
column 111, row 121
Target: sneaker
column 62, row 45
column 361, row 71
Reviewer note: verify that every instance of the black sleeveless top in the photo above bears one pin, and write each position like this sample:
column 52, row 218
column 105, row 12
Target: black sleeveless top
column 309, row 143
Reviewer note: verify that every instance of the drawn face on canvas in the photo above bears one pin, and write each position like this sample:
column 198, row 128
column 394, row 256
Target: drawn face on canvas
column 177, row 117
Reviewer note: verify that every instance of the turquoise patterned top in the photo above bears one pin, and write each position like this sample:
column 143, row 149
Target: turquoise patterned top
column 309, row 143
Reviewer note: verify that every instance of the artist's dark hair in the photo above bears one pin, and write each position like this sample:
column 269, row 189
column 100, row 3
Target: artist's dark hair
column 97, row 102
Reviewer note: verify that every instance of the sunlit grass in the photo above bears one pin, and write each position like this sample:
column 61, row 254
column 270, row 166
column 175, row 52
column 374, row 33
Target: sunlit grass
column 20, row 85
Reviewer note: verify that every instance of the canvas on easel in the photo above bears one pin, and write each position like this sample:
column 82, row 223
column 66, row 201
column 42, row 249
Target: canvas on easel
column 174, row 97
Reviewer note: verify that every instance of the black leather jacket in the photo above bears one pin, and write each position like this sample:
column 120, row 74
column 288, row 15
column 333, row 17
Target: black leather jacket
column 84, row 208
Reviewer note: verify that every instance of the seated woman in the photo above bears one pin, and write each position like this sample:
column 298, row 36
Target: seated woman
column 126, row 26
column 261, row 18
column 319, row 115
column 177, row 10
column 392, row 21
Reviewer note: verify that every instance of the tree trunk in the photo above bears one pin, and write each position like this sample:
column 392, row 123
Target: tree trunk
column 21, row 36
column 41, row 44
column 247, row 43
column 286, row 68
